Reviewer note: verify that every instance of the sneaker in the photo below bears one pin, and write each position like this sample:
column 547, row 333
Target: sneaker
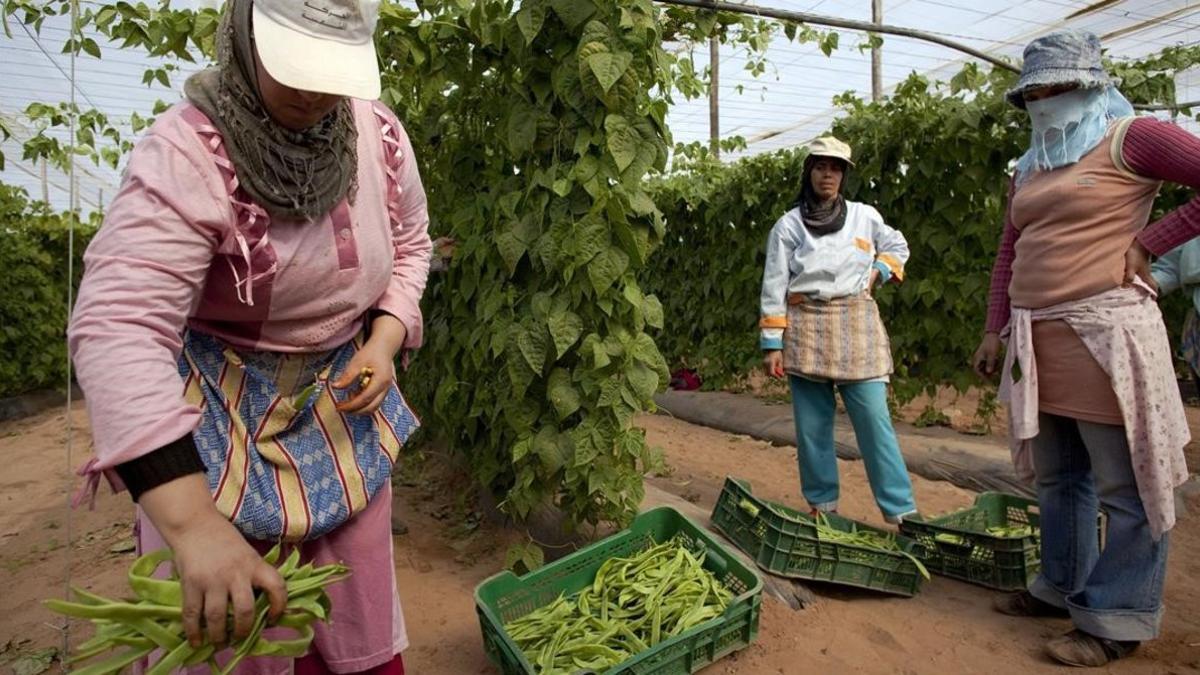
column 896, row 520
column 1023, row 603
column 1084, row 650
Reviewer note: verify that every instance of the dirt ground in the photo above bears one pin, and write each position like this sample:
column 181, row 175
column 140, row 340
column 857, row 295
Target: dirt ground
column 954, row 410
column 948, row 628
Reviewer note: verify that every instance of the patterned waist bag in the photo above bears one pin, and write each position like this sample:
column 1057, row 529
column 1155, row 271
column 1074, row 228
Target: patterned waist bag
column 282, row 463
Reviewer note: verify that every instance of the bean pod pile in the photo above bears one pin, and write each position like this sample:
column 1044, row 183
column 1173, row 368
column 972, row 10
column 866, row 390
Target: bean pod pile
column 632, row 605
column 154, row 620
column 870, row 539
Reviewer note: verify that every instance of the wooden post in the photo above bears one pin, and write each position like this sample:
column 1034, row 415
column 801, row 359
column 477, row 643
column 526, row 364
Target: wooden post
column 876, row 54
column 714, row 116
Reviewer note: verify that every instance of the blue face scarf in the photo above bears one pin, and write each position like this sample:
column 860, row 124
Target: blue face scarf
column 1068, row 126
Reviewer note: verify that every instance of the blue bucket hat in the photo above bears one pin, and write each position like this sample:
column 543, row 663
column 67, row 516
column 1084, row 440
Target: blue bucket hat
column 1062, row 57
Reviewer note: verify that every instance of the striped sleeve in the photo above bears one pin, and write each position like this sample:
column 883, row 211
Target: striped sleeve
column 999, row 307
column 1165, row 151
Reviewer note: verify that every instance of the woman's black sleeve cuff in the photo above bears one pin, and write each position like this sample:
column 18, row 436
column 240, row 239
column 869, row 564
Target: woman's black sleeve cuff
column 174, row 460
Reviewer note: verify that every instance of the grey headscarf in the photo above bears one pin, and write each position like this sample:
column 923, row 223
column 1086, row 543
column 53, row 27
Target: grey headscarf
column 820, row 217
column 294, row 175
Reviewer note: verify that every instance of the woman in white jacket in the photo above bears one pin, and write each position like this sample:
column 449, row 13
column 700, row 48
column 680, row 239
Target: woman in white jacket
column 821, row 329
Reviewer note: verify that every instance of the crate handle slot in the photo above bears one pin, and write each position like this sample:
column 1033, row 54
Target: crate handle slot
column 719, row 564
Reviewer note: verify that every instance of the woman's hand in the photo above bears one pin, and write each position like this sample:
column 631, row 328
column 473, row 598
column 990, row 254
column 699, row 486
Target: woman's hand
column 217, row 567
column 871, row 281
column 773, row 364
column 373, row 368
column 1137, row 264
column 987, row 356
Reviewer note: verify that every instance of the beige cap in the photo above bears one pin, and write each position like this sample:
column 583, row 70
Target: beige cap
column 828, row 146
column 320, row 45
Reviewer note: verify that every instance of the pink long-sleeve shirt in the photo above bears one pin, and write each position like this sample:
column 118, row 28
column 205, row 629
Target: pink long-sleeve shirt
column 181, row 248
column 1151, row 148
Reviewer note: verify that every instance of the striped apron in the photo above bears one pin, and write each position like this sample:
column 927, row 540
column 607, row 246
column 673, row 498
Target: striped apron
column 842, row 340
column 281, row 468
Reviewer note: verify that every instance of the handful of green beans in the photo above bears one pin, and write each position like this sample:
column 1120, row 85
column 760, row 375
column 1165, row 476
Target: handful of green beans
column 154, row 620
column 865, row 539
column 632, row 605
column 1013, row 531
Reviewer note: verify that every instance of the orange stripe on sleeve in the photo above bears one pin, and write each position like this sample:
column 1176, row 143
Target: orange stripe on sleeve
column 894, row 265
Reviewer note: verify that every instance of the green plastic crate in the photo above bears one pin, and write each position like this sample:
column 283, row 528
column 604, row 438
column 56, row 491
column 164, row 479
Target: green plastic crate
column 966, row 551
column 784, row 541
column 505, row 597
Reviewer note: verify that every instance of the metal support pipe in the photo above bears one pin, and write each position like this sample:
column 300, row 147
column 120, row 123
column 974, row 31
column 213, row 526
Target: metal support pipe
column 835, row 22
column 866, row 27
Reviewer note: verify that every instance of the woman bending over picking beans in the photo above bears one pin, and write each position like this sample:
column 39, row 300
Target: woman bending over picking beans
column 1095, row 414
column 238, row 321
column 821, row 328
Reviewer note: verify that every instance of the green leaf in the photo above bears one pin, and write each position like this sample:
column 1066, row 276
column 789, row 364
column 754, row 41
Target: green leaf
column 585, row 446
column 652, row 309
column 520, row 375
column 548, row 449
column 34, row 663
column 591, row 238
column 562, row 393
column 522, row 128
column 600, row 355
column 573, row 13
column 512, row 249
column 610, row 393
column 445, row 390
column 583, row 141
column 163, row 79
column 646, row 351
column 606, row 268
column 534, row 346
column 206, row 24
column 609, row 67
column 565, row 329
column 520, row 449
column 643, row 380
column 623, row 140
column 533, row 558
column 530, row 18
column 524, row 557
column 89, row 45
column 641, row 203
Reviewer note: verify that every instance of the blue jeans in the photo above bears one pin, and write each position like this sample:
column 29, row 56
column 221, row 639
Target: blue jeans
column 1117, row 593
column 866, row 403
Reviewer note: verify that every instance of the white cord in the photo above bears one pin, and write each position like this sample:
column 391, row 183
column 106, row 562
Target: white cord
column 73, row 192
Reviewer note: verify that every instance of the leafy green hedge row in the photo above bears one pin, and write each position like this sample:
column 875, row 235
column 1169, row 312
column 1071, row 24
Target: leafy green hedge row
column 33, row 292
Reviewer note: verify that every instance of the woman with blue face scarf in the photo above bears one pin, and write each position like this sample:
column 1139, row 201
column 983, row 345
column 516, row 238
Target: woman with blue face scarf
column 1095, row 414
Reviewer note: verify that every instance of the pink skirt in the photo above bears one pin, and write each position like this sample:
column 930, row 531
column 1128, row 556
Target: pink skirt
column 362, row 632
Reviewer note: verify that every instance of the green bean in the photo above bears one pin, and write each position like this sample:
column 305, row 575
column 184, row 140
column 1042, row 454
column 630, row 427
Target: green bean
column 1012, row 531
column 153, row 621
column 869, row 539
column 304, row 395
column 634, row 602
column 115, row 664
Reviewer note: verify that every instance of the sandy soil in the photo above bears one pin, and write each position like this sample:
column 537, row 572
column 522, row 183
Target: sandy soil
column 948, row 628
